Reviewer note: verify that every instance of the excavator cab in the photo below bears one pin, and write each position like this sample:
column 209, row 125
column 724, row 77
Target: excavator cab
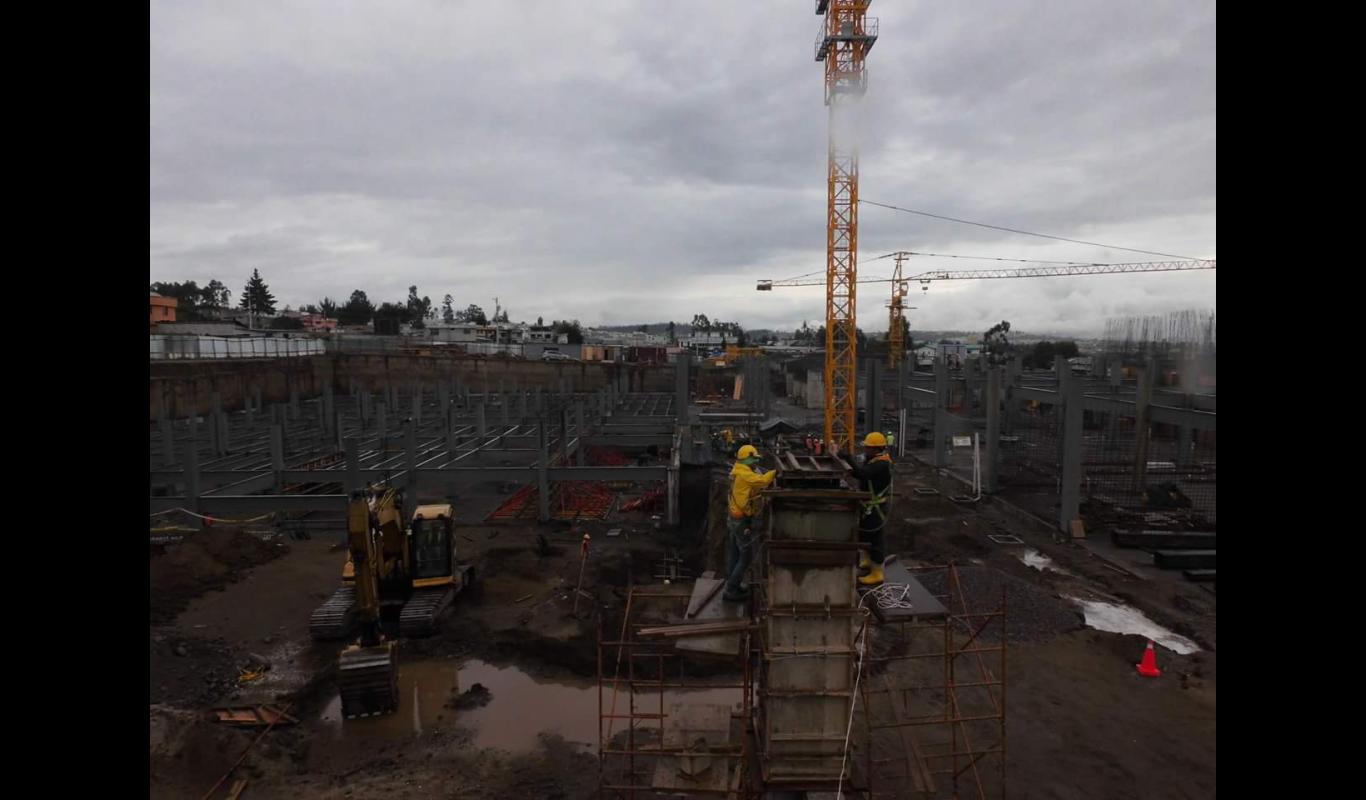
column 432, row 543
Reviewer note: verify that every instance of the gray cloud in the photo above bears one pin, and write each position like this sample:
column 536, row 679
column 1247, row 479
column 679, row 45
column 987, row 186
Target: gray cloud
column 635, row 161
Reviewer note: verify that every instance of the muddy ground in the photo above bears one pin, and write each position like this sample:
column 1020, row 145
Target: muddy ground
column 1081, row 722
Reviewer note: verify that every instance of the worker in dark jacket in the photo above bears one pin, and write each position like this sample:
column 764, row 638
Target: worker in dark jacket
column 875, row 477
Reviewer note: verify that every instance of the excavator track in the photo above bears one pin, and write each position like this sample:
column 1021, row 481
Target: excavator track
column 367, row 678
column 332, row 620
column 419, row 614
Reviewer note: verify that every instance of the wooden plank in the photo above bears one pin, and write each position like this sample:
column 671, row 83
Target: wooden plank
column 695, row 629
column 238, row 787
column 252, row 716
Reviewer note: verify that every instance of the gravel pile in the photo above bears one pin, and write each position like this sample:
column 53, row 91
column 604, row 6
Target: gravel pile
column 1032, row 614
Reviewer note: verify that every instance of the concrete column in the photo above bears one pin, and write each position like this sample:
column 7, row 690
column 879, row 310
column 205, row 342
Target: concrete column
column 903, row 377
column 941, row 423
column 681, row 369
column 167, row 442
column 443, row 396
column 451, row 444
column 382, row 423
column 564, row 435
column 542, row 476
column 417, row 407
column 505, row 404
column 1071, row 456
column 216, row 445
column 293, row 400
column 991, row 456
column 256, row 392
column 277, row 453
column 248, row 416
column 192, row 478
column 410, row 446
column 581, row 432
column 1185, row 456
column 1061, row 372
column 329, row 408
column 969, row 383
column 480, row 423
column 671, row 495
column 352, row 447
column 1147, row 378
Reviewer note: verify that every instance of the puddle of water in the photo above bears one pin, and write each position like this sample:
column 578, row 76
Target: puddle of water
column 1122, row 619
column 521, row 706
column 1040, row 561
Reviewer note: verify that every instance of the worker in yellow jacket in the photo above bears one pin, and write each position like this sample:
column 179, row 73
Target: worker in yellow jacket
column 746, row 481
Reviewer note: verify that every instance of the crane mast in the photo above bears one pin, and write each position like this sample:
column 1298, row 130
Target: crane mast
column 844, row 40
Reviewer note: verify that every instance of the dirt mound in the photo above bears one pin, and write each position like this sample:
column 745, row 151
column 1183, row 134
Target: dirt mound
column 209, row 559
column 236, row 549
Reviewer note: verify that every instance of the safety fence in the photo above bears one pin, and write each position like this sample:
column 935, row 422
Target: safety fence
column 167, row 347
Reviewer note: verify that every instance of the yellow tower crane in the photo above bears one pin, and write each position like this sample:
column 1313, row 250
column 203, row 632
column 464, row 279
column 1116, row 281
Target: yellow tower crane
column 896, row 334
column 846, row 36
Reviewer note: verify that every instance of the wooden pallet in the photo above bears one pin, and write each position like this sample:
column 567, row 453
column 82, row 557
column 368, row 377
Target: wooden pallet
column 252, row 716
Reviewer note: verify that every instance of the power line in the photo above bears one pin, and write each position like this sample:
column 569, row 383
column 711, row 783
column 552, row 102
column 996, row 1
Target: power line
column 1026, row 233
column 1001, row 258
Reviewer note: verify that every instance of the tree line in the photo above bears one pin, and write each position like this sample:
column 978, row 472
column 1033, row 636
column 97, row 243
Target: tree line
column 200, row 303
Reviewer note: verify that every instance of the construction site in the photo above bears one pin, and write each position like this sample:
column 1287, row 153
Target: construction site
column 409, row 572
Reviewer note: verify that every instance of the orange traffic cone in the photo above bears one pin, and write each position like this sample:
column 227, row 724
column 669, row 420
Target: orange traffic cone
column 1148, row 668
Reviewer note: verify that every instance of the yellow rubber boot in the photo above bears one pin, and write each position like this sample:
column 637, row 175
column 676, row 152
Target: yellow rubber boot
column 863, row 561
column 874, row 576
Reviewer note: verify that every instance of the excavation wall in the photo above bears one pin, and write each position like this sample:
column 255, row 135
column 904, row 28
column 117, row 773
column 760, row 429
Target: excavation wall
column 187, row 387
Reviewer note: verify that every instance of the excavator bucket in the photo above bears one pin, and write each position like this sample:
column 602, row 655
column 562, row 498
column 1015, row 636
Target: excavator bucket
column 368, row 680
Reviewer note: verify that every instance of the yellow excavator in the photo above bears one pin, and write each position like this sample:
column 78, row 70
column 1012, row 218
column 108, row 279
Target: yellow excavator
column 396, row 582
column 417, row 569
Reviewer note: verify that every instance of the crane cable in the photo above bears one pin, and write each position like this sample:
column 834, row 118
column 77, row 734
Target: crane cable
column 1025, row 233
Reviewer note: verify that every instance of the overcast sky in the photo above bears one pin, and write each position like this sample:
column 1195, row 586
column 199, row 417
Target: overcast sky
column 624, row 161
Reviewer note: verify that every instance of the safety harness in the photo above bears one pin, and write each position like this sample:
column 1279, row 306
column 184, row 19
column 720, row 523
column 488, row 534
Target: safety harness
column 881, row 501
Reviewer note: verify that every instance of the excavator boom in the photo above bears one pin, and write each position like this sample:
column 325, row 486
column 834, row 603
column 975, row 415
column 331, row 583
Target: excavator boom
column 367, row 675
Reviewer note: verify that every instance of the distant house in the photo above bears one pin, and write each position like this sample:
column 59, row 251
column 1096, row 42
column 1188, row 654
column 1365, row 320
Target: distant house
column 162, row 309
column 317, row 322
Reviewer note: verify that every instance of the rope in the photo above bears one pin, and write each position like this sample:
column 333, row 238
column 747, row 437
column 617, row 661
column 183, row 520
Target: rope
column 849, row 728
column 214, row 519
column 891, row 595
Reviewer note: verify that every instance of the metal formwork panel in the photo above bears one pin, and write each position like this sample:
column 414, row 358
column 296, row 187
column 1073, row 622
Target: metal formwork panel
column 809, row 625
column 833, row 586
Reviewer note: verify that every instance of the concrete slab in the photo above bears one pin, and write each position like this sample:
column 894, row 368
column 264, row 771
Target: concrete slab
column 715, row 609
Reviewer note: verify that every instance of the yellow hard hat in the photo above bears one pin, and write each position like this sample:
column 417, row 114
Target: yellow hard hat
column 748, row 451
column 875, row 439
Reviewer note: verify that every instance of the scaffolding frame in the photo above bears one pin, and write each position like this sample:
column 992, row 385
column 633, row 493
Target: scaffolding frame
column 963, row 711
column 622, row 766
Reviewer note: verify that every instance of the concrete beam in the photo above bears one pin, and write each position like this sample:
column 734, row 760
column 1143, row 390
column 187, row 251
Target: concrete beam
column 1071, row 457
